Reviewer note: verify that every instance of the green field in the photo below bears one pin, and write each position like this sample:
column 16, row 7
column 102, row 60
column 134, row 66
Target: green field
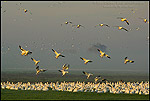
column 64, row 95
column 72, row 76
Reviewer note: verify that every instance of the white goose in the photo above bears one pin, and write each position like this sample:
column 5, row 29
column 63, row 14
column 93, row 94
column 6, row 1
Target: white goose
column 87, row 74
column 119, row 27
column 63, row 72
column 65, row 67
column 124, row 19
column 85, row 60
column 97, row 78
column 78, row 26
column 24, row 52
column 103, row 25
column 36, row 62
column 57, row 54
column 103, row 54
column 67, row 22
column 39, row 70
column 127, row 60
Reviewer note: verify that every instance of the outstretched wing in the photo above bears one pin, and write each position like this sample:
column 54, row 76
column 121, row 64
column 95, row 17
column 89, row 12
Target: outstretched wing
column 100, row 51
column 107, row 56
column 43, row 70
column 54, row 51
column 62, row 55
column 127, row 22
column 37, row 68
column 33, row 59
column 125, row 29
column 85, row 73
column 21, row 48
column 83, row 58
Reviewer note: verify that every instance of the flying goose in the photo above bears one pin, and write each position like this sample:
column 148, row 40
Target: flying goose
column 36, row 62
column 63, row 72
column 57, row 54
column 24, row 51
column 124, row 19
column 85, row 60
column 39, row 70
column 67, row 22
column 119, row 27
column 145, row 20
column 127, row 60
column 78, row 26
column 65, row 67
column 103, row 54
column 87, row 74
column 97, row 78
column 103, row 25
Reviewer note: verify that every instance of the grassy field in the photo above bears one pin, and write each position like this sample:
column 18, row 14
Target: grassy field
column 63, row 95
column 27, row 76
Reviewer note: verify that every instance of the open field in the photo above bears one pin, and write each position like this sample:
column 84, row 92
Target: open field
column 59, row 95
column 53, row 76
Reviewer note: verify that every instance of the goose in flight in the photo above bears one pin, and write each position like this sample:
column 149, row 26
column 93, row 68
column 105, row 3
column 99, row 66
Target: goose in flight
column 57, row 54
column 127, row 60
column 39, row 70
column 103, row 25
column 97, row 78
column 119, row 27
column 65, row 67
column 85, row 60
column 67, row 22
column 144, row 19
column 36, row 62
column 63, row 72
column 24, row 52
column 103, row 54
column 124, row 19
column 78, row 26
column 87, row 74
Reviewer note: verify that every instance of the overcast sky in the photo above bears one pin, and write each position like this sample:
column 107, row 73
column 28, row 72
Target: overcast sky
column 39, row 30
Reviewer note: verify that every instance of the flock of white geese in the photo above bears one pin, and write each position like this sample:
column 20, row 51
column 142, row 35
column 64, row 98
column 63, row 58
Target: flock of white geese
column 110, row 87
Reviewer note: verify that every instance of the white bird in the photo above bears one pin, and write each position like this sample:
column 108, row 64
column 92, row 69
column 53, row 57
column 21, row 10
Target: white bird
column 24, row 51
column 103, row 54
column 85, row 60
column 39, row 70
column 103, row 25
column 144, row 19
column 67, row 22
column 63, row 72
column 119, row 27
column 124, row 19
column 127, row 60
column 36, row 62
column 87, row 74
column 78, row 26
column 97, row 78
column 57, row 54
column 65, row 67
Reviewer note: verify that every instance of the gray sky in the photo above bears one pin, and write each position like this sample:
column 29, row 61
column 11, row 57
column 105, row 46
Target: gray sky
column 41, row 31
